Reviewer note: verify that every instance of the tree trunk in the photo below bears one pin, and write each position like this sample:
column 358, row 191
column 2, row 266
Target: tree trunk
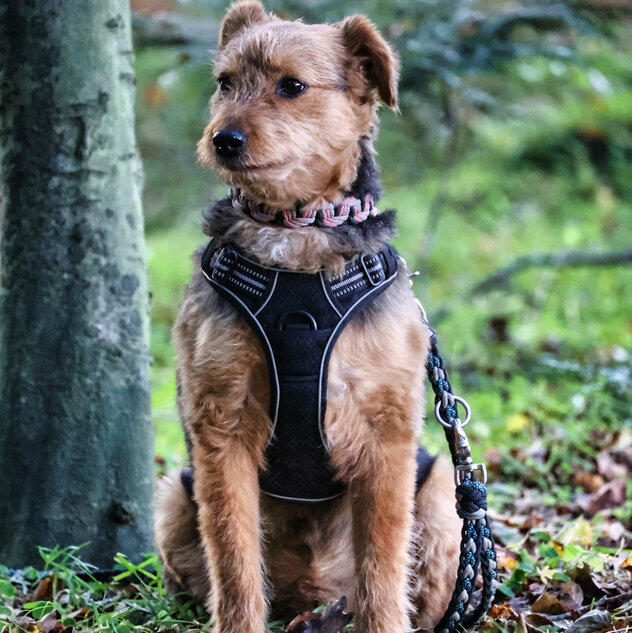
column 75, row 433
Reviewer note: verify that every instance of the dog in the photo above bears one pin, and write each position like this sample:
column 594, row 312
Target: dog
column 293, row 123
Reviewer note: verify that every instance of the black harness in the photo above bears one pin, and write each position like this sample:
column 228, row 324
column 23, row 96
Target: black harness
column 298, row 317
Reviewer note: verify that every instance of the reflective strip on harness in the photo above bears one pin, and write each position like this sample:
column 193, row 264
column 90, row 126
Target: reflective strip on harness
column 297, row 317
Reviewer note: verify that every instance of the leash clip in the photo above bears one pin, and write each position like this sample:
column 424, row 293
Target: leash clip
column 461, row 443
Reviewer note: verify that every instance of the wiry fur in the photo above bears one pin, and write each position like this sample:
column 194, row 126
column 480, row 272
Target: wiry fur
column 393, row 552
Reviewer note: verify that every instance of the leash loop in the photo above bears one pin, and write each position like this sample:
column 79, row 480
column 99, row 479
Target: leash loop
column 477, row 553
column 443, row 403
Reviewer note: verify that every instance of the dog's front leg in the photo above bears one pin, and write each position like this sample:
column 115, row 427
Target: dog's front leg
column 382, row 505
column 227, row 493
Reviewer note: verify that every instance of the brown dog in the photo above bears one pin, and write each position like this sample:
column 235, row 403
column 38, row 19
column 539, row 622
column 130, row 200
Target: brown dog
column 292, row 131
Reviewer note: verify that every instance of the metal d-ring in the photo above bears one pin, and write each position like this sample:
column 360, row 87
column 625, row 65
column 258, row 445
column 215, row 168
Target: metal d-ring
column 461, row 401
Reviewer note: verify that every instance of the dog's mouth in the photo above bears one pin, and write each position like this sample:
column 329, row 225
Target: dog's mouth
column 236, row 165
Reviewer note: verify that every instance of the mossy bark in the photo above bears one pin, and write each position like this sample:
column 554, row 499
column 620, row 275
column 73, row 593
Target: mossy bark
column 76, row 453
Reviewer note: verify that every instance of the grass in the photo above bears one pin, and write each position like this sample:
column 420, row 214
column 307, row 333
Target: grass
column 69, row 594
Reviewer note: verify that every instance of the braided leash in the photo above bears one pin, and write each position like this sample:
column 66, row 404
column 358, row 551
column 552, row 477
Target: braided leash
column 477, row 541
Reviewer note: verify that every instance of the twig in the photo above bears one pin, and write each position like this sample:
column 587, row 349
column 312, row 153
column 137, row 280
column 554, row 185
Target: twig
column 170, row 29
column 606, row 600
column 555, row 260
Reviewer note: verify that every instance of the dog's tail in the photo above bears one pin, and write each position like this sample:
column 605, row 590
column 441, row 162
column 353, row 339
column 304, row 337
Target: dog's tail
column 178, row 538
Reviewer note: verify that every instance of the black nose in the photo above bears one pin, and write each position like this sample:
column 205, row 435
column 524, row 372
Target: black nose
column 228, row 143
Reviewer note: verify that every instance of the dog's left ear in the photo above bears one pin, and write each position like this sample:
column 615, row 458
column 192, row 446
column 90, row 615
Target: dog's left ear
column 376, row 59
column 239, row 16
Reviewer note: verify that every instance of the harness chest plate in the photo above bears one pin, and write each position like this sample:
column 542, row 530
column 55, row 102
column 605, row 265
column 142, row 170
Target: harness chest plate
column 297, row 317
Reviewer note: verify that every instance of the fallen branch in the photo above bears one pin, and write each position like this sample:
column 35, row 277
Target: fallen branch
column 170, row 29
column 602, row 602
column 550, row 260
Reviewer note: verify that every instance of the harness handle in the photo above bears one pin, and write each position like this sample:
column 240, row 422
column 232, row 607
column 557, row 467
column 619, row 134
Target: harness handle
column 308, row 320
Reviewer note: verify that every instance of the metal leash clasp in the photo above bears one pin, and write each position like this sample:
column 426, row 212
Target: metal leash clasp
column 465, row 468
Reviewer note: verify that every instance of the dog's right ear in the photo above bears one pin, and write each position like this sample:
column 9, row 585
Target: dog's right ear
column 241, row 15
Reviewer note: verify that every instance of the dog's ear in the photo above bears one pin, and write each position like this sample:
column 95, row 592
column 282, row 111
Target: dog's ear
column 241, row 15
column 376, row 59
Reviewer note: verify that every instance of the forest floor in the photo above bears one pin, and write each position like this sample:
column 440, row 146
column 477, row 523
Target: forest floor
column 565, row 563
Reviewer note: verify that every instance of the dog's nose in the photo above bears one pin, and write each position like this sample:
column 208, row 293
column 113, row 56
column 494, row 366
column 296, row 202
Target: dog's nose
column 228, row 143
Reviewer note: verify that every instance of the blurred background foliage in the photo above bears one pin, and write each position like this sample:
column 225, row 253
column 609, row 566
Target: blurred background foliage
column 514, row 140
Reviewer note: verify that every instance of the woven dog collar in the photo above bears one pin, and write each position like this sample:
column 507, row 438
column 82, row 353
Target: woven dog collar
column 351, row 210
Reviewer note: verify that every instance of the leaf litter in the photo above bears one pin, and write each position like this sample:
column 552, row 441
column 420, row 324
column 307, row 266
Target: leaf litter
column 564, row 561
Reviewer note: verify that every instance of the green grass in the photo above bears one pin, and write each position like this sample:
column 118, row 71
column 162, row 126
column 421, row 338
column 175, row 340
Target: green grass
column 67, row 592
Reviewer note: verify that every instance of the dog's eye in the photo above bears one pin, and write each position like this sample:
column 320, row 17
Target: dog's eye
column 224, row 83
column 289, row 87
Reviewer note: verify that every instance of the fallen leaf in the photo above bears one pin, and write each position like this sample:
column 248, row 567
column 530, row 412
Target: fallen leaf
column 608, row 468
column 591, row 622
column 50, row 624
column 546, row 574
column 579, row 532
column 567, row 597
column 548, row 603
column 332, row 620
column 44, row 590
column 23, row 623
column 610, row 532
column 539, row 619
column 502, row 611
column 612, row 495
column 516, row 422
column 535, row 589
column 571, row 595
column 588, row 481
column 627, row 563
column 506, row 559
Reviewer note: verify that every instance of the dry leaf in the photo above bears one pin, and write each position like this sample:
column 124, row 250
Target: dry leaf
column 588, row 481
column 612, row 495
column 502, row 612
column 627, row 563
column 611, row 530
column 506, row 559
column 44, row 590
column 548, row 603
column 579, row 532
column 50, row 623
column 571, row 595
column 332, row 620
column 591, row 622
column 608, row 468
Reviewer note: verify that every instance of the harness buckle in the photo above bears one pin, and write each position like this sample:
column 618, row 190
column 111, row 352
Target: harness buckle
column 374, row 270
column 224, row 264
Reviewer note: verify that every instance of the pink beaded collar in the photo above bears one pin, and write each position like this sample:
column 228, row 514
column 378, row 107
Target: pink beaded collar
column 351, row 210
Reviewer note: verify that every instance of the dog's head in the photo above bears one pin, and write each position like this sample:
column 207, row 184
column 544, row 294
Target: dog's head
column 292, row 103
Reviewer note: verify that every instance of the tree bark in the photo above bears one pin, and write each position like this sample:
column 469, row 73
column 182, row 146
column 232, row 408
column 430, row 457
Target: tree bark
column 76, row 451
